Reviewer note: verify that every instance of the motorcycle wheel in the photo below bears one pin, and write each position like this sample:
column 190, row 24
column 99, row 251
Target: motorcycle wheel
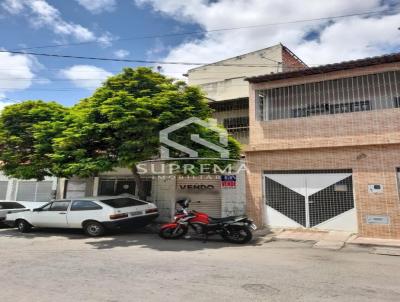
column 240, row 235
column 168, row 233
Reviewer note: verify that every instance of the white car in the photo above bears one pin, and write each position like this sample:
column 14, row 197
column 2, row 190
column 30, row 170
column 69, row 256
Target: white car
column 92, row 214
column 9, row 206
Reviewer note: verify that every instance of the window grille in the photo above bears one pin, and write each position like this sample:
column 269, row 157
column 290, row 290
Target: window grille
column 345, row 95
column 234, row 115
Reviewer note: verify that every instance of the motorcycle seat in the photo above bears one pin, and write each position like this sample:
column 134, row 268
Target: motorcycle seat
column 224, row 219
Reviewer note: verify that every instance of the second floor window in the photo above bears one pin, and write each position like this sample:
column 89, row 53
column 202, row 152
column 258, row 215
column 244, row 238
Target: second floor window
column 361, row 93
column 236, row 122
column 321, row 109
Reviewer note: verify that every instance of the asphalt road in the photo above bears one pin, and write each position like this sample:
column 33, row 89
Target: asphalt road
column 66, row 266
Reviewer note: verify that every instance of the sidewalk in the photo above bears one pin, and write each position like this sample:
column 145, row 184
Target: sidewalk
column 335, row 240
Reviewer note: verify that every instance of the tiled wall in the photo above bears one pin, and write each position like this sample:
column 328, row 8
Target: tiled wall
column 366, row 142
column 370, row 165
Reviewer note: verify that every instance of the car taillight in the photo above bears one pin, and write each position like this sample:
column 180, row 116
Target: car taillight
column 154, row 210
column 118, row 216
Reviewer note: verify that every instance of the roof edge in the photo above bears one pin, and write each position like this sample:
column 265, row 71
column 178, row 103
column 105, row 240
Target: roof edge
column 370, row 61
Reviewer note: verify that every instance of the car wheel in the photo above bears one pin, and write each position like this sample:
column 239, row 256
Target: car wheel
column 23, row 226
column 93, row 229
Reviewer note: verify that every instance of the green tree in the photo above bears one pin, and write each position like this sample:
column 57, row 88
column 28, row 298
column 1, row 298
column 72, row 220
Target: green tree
column 119, row 125
column 27, row 130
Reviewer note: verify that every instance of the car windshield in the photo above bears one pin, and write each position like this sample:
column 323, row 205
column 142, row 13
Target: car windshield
column 123, row 202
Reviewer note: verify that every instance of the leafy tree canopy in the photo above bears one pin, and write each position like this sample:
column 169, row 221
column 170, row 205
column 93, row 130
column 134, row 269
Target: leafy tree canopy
column 119, row 125
column 26, row 133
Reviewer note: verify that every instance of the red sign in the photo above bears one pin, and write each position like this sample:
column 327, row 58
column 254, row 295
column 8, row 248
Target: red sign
column 228, row 181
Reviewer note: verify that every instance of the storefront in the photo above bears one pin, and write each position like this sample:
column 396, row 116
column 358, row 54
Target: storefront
column 217, row 195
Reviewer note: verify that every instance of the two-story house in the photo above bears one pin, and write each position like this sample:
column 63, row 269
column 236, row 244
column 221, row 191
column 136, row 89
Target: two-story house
column 228, row 92
column 324, row 147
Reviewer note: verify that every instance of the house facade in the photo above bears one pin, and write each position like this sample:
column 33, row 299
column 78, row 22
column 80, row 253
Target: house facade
column 207, row 192
column 324, row 148
column 228, row 92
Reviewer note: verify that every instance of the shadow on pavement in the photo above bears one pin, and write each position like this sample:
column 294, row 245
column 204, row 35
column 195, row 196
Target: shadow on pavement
column 43, row 233
column 152, row 241
column 144, row 238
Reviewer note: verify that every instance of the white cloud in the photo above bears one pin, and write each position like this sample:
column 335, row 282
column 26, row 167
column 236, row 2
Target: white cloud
column 85, row 76
column 16, row 72
column 13, row 6
column 334, row 40
column 98, row 6
column 106, row 39
column 41, row 14
column 121, row 53
column 4, row 103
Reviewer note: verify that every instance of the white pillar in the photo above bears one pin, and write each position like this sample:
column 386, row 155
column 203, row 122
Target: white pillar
column 10, row 188
column 96, row 182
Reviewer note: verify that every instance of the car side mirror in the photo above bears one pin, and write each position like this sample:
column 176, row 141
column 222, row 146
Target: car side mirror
column 37, row 210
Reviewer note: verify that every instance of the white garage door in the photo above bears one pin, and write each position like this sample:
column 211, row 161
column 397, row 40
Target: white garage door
column 34, row 190
column 311, row 199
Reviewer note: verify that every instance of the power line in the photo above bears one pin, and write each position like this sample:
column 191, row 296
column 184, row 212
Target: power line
column 210, row 31
column 128, row 60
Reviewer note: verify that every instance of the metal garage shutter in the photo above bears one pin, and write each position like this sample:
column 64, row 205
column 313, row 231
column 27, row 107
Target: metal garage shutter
column 76, row 188
column 205, row 194
column 34, row 191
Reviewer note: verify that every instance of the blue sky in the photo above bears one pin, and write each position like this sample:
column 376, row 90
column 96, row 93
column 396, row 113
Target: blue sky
column 30, row 23
column 125, row 20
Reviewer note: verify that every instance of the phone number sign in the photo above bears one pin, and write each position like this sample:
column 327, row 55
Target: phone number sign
column 228, row 181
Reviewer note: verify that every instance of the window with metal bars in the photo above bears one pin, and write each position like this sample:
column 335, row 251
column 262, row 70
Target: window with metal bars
column 117, row 186
column 234, row 115
column 240, row 123
column 345, row 95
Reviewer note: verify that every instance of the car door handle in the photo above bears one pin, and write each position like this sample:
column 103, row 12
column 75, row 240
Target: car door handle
column 62, row 213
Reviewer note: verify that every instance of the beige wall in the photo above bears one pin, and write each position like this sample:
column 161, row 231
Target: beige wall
column 227, row 82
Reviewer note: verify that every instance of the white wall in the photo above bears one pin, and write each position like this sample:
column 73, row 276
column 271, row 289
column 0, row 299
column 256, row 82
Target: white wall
column 234, row 200
column 164, row 195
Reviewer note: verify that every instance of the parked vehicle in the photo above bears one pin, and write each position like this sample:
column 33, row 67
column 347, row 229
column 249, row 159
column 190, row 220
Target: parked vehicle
column 8, row 207
column 92, row 214
column 235, row 229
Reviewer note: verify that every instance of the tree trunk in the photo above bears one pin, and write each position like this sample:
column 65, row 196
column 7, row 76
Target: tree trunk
column 139, row 183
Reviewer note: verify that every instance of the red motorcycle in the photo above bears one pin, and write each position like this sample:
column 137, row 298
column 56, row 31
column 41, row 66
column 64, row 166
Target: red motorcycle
column 235, row 229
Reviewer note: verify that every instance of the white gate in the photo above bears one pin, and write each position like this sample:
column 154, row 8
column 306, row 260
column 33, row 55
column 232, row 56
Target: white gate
column 310, row 199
